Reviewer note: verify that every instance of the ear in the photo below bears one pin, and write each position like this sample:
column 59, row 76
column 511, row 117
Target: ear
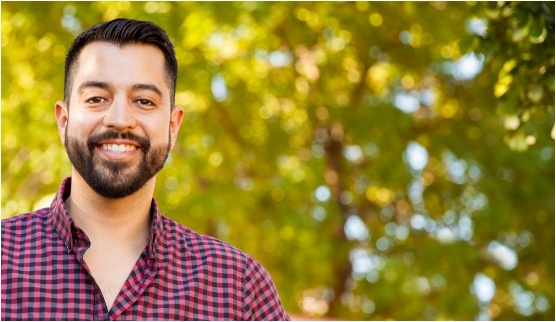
column 175, row 123
column 61, row 118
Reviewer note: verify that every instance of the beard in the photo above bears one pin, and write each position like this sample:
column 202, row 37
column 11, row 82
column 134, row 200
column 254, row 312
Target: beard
column 115, row 179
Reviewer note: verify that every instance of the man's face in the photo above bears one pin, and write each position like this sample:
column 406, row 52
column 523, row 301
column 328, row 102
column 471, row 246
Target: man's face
column 119, row 127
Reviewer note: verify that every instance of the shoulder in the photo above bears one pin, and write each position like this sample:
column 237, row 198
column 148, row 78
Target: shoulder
column 205, row 246
column 215, row 258
column 218, row 266
column 25, row 223
column 21, row 231
column 212, row 254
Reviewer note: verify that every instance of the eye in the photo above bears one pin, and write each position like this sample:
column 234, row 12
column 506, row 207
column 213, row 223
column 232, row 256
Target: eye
column 95, row 100
column 145, row 102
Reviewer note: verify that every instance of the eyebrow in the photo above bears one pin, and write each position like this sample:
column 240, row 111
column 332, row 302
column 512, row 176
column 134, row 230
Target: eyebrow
column 149, row 87
column 106, row 86
column 89, row 84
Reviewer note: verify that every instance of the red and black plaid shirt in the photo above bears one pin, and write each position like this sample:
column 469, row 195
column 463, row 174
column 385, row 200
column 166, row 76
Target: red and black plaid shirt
column 181, row 275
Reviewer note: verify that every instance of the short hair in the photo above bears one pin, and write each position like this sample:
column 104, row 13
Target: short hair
column 122, row 32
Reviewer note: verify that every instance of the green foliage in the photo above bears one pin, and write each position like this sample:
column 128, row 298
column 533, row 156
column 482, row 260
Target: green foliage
column 520, row 48
column 307, row 160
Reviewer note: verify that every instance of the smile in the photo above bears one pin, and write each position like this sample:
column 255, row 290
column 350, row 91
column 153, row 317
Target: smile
column 118, row 148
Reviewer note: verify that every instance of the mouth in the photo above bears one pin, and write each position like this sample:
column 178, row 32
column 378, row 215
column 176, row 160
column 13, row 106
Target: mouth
column 118, row 151
column 118, row 148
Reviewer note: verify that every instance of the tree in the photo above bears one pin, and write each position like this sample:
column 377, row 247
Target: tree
column 381, row 160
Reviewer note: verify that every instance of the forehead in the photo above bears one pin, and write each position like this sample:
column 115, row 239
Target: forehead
column 120, row 65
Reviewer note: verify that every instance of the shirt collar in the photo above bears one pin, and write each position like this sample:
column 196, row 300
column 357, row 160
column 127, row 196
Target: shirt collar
column 69, row 232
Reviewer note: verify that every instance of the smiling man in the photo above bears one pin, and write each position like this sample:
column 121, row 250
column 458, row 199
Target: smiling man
column 102, row 250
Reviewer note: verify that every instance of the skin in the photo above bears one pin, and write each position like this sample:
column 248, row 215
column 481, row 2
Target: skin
column 122, row 90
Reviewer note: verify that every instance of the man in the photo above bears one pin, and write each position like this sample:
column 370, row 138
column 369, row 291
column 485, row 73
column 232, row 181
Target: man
column 103, row 251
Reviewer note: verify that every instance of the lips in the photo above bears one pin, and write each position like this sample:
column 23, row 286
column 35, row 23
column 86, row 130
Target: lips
column 118, row 142
column 118, row 148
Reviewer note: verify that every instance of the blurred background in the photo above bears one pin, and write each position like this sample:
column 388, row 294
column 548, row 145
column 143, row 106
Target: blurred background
column 381, row 160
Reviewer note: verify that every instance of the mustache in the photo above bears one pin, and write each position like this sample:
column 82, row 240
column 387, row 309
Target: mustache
column 140, row 141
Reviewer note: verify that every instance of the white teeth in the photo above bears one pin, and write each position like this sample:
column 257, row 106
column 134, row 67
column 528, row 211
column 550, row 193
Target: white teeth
column 118, row 148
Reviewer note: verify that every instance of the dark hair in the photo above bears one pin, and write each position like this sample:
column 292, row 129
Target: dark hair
column 123, row 32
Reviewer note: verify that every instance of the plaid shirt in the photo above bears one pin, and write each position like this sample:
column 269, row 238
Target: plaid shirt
column 181, row 275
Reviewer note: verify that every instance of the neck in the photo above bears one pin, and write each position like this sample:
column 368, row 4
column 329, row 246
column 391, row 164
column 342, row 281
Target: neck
column 106, row 220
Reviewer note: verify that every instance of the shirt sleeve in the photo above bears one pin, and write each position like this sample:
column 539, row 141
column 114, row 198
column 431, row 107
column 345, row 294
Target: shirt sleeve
column 261, row 300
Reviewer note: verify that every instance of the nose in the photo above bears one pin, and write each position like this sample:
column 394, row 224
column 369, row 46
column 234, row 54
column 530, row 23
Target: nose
column 119, row 115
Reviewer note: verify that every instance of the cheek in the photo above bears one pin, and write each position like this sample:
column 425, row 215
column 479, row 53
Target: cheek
column 158, row 136
column 83, row 123
column 156, row 129
column 75, row 127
